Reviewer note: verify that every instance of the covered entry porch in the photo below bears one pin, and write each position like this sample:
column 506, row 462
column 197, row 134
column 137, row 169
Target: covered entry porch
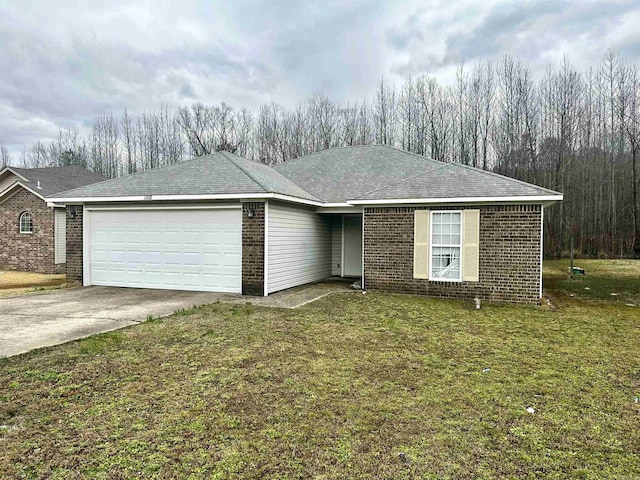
column 346, row 244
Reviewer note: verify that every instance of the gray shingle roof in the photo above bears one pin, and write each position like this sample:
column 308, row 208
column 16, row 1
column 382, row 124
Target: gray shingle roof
column 342, row 173
column 215, row 174
column 57, row 179
column 375, row 172
column 456, row 181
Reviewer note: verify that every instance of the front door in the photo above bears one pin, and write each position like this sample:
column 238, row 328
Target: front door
column 352, row 246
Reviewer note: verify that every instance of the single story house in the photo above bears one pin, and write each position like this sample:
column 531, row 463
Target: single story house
column 32, row 234
column 401, row 222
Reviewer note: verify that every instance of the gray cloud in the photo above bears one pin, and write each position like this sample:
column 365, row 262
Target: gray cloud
column 63, row 63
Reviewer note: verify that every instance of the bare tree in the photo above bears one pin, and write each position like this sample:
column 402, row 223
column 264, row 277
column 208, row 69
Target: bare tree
column 385, row 114
column 5, row 157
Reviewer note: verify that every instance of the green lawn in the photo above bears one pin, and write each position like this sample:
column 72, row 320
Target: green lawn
column 351, row 386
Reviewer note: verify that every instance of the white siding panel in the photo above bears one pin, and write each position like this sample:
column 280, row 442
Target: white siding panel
column 299, row 247
column 336, row 245
column 60, row 228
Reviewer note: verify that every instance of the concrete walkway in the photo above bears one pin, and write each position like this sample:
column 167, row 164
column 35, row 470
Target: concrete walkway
column 41, row 320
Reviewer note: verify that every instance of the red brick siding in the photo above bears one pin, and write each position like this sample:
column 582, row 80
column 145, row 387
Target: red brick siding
column 74, row 243
column 253, row 248
column 509, row 254
column 32, row 252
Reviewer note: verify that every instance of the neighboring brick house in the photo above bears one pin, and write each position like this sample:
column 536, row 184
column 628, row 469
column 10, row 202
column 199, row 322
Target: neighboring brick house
column 398, row 221
column 32, row 234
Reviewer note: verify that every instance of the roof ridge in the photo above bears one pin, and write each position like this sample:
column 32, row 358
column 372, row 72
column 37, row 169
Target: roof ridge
column 444, row 165
column 369, row 145
column 424, row 157
column 266, row 189
column 244, row 170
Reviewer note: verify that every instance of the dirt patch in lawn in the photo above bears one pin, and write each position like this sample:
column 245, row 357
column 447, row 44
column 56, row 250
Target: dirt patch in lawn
column 18, row 283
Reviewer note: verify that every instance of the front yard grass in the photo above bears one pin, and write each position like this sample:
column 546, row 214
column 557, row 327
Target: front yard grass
column 14, row 283
column 350, row 386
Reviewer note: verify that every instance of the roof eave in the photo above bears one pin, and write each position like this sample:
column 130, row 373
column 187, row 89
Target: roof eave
column 9, row 169
column 512, row 200
column 20, row 184
column 167, row 198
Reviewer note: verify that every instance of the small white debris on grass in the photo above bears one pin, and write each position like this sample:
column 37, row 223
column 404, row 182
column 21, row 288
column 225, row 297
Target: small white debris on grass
column 636, row 400
column 630, row 304
column 587, row 288
column 486, row 370
column 614, row 294
column 531, row 410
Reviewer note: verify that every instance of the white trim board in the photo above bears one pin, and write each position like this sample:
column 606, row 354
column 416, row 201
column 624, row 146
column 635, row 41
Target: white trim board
column 460, row 200
column 265, row 265
column 160, row 198
column 164, row 207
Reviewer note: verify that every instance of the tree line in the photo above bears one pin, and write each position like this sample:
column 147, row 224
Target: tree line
column 577, row 132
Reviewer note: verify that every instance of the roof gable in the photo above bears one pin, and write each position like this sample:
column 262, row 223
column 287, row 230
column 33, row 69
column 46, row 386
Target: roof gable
column 48, row 181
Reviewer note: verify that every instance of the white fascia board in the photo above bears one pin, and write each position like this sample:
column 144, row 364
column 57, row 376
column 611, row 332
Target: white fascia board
column 119, row 208
column 462, row 200
column 169, row 198
column 20, row 184
column 9, row 169
column 346, row 208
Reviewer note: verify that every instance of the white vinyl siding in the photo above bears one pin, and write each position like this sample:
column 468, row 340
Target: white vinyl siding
column 299, row 247
column 60, row 236
column 7, row 181
column 336, row 245
column 196, row 249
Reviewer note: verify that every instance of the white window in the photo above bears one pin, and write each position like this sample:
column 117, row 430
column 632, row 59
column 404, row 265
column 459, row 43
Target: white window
column 26, row 223
column 446, row 246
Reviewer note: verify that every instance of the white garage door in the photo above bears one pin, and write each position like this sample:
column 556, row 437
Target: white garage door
column 169, row 249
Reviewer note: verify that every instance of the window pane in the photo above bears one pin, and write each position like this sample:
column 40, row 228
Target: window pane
column 26, row 224
column 445, row 263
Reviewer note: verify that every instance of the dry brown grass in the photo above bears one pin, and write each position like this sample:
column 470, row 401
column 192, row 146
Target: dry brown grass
column 17, row 283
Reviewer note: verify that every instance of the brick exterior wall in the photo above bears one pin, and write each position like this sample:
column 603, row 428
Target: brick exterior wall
column 74, row 244
column 509, row 254
column 32, row 252
column 253, row 248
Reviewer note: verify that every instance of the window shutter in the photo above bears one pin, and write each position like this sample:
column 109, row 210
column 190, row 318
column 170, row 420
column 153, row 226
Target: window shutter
column 471, row 245
column 421, row 244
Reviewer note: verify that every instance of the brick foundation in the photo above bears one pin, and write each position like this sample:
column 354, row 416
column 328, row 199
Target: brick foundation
column 509, row 254
column 253, row 248
column 31, row 252
column 74, row 244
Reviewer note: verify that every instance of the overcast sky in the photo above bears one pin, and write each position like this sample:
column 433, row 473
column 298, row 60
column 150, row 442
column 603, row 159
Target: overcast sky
column 63, row 63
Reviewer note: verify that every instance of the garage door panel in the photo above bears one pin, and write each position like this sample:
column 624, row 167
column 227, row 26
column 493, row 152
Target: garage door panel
column 190, row 249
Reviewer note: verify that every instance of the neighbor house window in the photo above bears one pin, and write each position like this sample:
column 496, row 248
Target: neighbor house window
column 26, row 223
column 446, row 246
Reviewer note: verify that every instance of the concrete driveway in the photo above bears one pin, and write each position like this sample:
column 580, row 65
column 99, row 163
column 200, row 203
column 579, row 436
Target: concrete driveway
column 34, row 321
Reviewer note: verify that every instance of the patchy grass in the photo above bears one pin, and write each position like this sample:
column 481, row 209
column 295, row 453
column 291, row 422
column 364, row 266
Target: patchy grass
column 612, row 280
column 351, row 386
column 19, row 283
